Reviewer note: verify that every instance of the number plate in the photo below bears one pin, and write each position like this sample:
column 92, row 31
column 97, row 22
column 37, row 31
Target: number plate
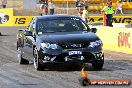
column 74, row 52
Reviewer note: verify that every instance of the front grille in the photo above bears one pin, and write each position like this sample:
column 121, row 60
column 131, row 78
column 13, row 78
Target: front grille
column 73, row 46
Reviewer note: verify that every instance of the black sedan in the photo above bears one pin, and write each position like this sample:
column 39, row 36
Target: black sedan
column 59, row 39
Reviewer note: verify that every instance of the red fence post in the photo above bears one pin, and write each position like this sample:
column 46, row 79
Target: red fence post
column 104, row 19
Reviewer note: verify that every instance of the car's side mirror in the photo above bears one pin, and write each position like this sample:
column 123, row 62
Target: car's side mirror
column 28, row 33
column 94, row 30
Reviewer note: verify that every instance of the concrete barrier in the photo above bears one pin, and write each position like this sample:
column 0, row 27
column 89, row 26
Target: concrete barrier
column 24, row 20
column 116, row 39
column 6, row 17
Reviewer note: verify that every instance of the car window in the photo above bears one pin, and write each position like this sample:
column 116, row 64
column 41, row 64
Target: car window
column 60, row 25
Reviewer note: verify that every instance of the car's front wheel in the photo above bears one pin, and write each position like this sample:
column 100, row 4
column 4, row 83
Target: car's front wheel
column 20, row 58
column 97, row 66
column 37, row 64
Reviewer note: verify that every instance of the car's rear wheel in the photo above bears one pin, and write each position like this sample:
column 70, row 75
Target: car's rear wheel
column 37, row 64
column 97, row 66
column 20, row 58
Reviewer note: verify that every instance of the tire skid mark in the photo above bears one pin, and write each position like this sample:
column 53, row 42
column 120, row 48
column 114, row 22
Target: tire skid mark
column 11, row 81
column 34, row 79
column 8, row 48
column 57, row 78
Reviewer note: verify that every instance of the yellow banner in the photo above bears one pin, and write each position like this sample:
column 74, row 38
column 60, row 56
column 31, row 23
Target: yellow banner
column 116, row 19
column 22, row 20
column 6, row 17
column 116, row 39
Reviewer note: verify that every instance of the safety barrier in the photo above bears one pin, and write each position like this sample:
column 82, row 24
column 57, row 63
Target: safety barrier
column 116, row 19
column 116, row 39
column 24, row 20
column 6, row 17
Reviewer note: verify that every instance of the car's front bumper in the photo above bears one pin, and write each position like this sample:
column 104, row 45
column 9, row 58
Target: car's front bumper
column 87, row 56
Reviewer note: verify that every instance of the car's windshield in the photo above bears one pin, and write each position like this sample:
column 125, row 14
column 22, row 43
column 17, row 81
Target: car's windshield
column 61, row 25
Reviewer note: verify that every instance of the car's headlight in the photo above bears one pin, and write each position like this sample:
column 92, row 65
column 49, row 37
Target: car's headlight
column 53, row 46
column 49, row 46
column 96, row 43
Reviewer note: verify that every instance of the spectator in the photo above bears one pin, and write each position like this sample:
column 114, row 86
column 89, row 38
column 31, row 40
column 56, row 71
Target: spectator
column 42, row 9
column 124, row 0
column 119, row 8
column 85, row 3
column 4, row 3
column 77, row 3
column 46, row 8
column 85, row 14
column 129, row 0
column 109, row 13
column 44, row 1
column 79, row 6
column 110, row 1
column 51, row 7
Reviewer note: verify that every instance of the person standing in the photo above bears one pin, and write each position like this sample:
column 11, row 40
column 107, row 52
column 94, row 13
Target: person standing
column 79, row 7
column 4, row 3
column 51, row 7
column 119, row 7
column 43, row 1
column 46, row 8
column 85, row 14
column 85, row 2
column 76, row 3
column 42, row 10
column 109, row 13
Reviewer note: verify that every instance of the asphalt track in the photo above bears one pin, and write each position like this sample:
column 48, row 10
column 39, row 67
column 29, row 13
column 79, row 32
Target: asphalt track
column 13, row 75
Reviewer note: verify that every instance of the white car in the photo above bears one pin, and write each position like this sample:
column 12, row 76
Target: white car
column 3, row 18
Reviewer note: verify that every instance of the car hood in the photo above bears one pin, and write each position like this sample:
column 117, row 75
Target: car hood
column 72, row 37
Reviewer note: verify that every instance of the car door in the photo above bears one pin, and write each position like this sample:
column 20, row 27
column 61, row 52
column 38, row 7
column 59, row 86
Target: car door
column 29, row 40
